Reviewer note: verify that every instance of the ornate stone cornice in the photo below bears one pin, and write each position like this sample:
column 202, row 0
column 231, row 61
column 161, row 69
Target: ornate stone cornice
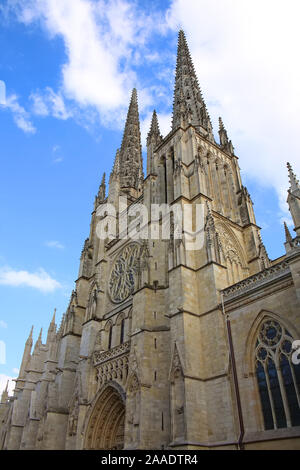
column 274, row 273
column 101, row 357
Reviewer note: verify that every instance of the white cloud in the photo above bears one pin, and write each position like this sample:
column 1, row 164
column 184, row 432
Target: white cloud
column 244, row 54
column 91, row 74
column 40, row 280
column 21, row 117
column 3, row 381
column 16, row 371
column 102, row 40
column 54, row 244
column 3, row 324
column 49, row 103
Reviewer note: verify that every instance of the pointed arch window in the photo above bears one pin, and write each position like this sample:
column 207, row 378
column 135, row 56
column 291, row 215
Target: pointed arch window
column 277, row 377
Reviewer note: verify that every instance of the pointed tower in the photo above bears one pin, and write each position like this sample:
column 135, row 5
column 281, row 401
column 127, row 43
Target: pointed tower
column 130, row 158
column 4, row 396
column 100, row 198
column 225, row 143
column 38, row 342
column 26, row 355
column 114, row 180
column 189, row 106
column 52, row 329
column 153, row 140
column 293, row 199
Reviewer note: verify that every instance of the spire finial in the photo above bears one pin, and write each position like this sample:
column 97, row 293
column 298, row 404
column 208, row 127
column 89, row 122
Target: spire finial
column 154, row 129
column 294, row 183
column 102, row 190
column 53, row 318
column 225, row 143
column 29, row 339
column 288, row 236
column 187, row 89
column 39, row 340
column 131, row 162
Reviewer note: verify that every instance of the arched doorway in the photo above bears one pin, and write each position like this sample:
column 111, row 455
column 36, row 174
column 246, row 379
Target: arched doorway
column 106, row 425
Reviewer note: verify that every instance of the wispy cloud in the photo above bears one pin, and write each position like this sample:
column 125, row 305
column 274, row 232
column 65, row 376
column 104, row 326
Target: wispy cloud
column 20, row 115
column 98, row 72
column 3, row 324
column 54, row 244
column 49, row 103
column 39, row 280
column 249, row 76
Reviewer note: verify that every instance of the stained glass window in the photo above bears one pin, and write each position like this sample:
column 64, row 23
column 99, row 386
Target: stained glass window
column 277, row 377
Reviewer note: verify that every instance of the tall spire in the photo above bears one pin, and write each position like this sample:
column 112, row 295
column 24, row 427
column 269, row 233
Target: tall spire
column 187, row 95
column 288, row 236
column 294, row 199
column 131, row 162
column 102, row 191
column 294, row 183
column 154, row 132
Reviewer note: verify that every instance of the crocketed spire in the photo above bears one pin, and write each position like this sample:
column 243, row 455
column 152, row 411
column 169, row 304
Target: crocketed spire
column 188, row 101
column 154, row 132
column 130, row 158
column 294, row 183
column 225, row 143
column 288, row 236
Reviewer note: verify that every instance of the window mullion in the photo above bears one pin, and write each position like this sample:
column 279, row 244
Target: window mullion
column 284, row 397
column 270, row 396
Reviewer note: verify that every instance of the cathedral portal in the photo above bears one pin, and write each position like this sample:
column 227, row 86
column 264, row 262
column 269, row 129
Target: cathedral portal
column 106, row 424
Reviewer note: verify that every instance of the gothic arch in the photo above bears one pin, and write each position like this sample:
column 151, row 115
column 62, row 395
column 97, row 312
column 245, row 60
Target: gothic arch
column 105, row 421
column 233, row 238
column 276, row 380
column 248, row 360
column 107, row 334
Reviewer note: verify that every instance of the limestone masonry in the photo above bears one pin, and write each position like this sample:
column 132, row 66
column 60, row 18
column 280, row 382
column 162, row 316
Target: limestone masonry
column 162, row 347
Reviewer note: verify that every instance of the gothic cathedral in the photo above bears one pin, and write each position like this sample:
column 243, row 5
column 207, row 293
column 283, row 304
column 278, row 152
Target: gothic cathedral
column 162, row 347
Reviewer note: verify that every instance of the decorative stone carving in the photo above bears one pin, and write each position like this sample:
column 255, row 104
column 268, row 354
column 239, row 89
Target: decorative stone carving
column 123, row 278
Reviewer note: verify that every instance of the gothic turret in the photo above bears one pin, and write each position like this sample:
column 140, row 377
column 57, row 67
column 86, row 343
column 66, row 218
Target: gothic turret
column 52, row 329
column 225, row 143
column 131, row 161
column 189, row 106
column 26, row 354
column 100, row 198
column 294, row 199
column 153, row 140
column 4, row 396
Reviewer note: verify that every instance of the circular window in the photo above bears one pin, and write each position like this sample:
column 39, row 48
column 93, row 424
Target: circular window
column 123, row 277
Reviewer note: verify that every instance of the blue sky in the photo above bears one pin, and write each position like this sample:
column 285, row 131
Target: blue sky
column 69, row 67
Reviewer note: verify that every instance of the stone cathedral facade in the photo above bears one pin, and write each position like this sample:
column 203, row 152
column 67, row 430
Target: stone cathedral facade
column 163, row 347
